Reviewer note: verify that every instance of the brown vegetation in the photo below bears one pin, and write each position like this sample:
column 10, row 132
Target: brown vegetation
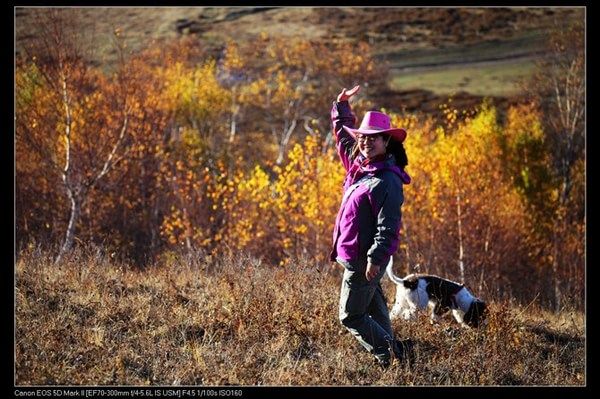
column 233, row 320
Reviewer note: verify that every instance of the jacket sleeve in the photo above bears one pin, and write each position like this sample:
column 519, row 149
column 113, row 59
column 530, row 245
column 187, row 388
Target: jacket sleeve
column 341, row 115
column 386, row 202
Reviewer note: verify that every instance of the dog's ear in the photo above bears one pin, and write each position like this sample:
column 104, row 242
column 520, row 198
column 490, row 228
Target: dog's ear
column 476, row 314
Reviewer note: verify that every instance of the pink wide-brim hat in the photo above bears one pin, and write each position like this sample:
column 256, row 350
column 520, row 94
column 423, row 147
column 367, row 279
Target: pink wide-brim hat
column 375, row 122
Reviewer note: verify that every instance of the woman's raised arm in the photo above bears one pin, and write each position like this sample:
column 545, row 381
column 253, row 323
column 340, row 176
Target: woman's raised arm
column 341, row 115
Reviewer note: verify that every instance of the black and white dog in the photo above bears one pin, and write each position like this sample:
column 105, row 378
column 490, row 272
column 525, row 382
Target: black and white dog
column 418, row 291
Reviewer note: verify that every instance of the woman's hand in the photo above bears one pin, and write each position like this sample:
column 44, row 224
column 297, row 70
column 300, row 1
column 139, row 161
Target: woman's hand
column 372, row 271
column 346, row 94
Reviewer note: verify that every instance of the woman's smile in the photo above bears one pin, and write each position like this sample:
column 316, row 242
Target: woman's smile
column 371, row 146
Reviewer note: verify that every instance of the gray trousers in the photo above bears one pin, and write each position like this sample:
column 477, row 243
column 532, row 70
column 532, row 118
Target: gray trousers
column 363, row 310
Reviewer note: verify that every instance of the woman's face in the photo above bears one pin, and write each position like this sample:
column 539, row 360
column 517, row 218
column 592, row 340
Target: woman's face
column 371, row 145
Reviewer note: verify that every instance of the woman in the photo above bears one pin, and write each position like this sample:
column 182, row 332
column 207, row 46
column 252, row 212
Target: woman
column 368, row 223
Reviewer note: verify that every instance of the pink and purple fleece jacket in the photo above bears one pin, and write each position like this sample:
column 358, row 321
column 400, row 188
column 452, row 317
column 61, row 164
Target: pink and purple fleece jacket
column 367, row 225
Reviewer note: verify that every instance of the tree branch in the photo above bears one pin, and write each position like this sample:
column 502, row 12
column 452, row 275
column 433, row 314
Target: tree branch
column 109, row 164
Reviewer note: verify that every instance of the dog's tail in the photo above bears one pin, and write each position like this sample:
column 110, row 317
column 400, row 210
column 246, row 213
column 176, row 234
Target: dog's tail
column 391, row 274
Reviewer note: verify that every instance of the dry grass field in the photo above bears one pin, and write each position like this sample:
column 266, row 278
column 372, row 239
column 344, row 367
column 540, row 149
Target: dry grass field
column 235, row 321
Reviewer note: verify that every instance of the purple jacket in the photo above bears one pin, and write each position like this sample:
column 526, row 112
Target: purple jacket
column 367, row 225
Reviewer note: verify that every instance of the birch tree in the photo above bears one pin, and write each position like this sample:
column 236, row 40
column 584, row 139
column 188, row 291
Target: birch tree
column 559, row 87
column 80, row 144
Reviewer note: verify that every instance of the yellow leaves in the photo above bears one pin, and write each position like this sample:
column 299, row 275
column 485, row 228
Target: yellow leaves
column 524, row 119
column 284, row 91
column 254, row 92
column 300, row 229
column 195, row 92
column 306, row 200
column 233, row 59
column 407, row 122
column 289, row 209
column 450, row 114
column 173, row 226
column 484, row 122
column 462, row 164
column 255, row 184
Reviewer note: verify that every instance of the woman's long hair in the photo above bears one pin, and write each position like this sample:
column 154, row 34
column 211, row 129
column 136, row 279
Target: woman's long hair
column 396, row 148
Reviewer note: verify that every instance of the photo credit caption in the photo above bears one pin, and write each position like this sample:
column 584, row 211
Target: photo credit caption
column 130, row 392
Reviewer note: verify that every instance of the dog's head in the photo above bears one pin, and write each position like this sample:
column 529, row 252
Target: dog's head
column 476, row 314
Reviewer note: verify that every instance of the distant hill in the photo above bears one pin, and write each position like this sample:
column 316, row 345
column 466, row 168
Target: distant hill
column 432, row 52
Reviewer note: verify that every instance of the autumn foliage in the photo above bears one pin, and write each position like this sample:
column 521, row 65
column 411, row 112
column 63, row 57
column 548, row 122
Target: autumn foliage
column 233, row 153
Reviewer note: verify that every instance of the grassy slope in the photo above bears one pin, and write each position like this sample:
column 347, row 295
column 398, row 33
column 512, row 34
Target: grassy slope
column 408, row 38
column 488, row 68
column 481, row 79
column 233, row 321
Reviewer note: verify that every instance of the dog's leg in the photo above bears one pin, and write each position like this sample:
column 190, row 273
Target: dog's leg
column 402, row 303
column 409, row 313
column 458, row 316
column 410, row 304
column 397, row 308
column 437, row 311
column 433, row 317
column 396, row 311
column 403, row 306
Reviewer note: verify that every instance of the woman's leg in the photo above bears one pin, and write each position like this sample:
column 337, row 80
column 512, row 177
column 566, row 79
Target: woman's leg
column 355, row 300
column 378, row 310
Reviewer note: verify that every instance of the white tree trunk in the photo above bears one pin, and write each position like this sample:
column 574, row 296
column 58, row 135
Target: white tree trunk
column 70, row 233
column 461, row 264
column 287, row 134
column 235, row 109
column 555, row 275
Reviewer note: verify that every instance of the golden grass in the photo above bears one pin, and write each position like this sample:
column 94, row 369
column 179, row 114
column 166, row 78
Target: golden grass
column 236, row 321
